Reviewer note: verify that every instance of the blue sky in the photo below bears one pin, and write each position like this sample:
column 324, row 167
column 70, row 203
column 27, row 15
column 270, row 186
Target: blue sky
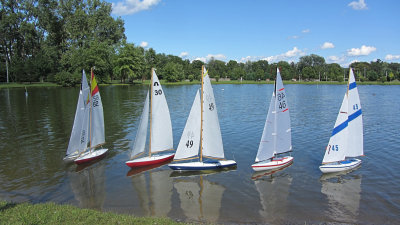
column 342, row 31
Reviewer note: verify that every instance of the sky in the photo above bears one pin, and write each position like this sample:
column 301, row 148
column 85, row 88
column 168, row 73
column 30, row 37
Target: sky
column 342, row 31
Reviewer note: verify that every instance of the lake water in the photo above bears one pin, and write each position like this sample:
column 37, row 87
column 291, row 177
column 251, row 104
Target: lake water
column 35, row 130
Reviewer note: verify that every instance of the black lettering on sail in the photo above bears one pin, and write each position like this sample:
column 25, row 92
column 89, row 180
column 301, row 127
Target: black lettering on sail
column 156, row 84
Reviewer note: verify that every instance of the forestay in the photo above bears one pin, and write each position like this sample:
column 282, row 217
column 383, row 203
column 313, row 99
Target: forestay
column 190, row 141
column 212, row 140
column 141, row 135
column 161, row 128
column 79, row 134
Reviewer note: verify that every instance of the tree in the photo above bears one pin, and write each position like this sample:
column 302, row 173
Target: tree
column 173, row 72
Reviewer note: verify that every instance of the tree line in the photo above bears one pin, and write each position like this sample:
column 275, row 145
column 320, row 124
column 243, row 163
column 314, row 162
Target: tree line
column 51, row 40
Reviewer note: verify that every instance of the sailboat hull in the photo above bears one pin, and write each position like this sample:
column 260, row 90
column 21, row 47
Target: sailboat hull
column 90, row 156
column 147, row 161
column 71, row 157
column 273, row 164
column 340, row 166
column 194, row 166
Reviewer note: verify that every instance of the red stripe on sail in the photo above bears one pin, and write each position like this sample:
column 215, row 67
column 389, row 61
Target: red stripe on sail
column 281, row 89
column 285, row 110
column 95, row 90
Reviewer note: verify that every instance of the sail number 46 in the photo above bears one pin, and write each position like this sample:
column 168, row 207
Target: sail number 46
column 282, row 103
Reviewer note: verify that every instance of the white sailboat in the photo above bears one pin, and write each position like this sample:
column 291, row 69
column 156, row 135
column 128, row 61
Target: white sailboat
column 201, row 137
column 347, row 135
column 80, row 129
column 276, row 138
column 96, row 126
column 161, row 138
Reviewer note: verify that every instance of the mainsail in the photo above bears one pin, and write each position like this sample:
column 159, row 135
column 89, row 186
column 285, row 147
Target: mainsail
column 97, row 117
column 276, row 137
column 161, row 128
column 79, row 134
column 212, row 139
column 355, row 122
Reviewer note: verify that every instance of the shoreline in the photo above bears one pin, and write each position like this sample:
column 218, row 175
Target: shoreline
column 163, row 82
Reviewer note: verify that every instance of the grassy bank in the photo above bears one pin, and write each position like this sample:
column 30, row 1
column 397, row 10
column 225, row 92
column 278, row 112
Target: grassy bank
column 163, row 82
column 50, row 213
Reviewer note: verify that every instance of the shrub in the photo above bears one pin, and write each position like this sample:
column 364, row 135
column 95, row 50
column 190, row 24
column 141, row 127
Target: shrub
column 67, row 79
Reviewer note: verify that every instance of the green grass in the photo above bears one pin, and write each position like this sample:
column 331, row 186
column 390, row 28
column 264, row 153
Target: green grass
column 51, row 213
column 27, row 84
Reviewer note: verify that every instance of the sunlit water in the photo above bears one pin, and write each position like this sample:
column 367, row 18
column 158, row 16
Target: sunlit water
column 34, row 134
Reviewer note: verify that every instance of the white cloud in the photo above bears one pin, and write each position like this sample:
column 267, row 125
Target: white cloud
column 305, row 31
column 327, row 45
column 211, row 56
column 144, row 44
column 294, row 37
column 183, row 54
column 287, row 56
column 364, row 50
column 360, row 5
column 128, row 7
column 392, row 57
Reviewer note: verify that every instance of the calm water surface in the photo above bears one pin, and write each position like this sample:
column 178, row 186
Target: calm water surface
column 34, row 134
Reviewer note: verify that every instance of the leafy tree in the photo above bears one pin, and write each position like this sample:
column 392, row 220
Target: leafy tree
column 173, row 72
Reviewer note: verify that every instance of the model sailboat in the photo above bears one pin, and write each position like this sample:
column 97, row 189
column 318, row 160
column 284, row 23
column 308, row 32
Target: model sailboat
column 160, row 139
column 96, row 126
column 276, row 138
column 201, row 137
column 80, row 129
column 347, row 135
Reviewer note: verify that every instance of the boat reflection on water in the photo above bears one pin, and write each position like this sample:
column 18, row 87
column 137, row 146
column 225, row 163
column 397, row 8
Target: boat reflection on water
column 88, row 185
column 189, row 173
column 343, row 195
column 154, row 190
column 273, row 187
column 200, row 199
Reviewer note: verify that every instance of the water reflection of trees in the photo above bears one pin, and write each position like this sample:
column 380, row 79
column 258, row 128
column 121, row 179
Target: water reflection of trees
column 343, row 197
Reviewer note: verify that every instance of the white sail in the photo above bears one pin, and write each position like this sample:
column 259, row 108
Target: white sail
column 267, row 143
column 335, row 151
column 190, row 140
column 276, row 137
column 355, row 123
column 283, row 138
column 212, row 139
column 141, row 135
column 161, row 130
column 97, row 117
column 79, row 134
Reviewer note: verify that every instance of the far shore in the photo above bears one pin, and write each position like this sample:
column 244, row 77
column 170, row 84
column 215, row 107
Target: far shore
column 164, row 82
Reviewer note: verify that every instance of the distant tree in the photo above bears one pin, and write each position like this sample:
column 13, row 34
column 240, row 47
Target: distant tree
column 173, row 72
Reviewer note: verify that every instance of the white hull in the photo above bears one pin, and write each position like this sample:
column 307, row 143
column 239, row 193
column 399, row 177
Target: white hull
column 273, row 164
column 340, row 166
column 89, row 156
column 202, row 165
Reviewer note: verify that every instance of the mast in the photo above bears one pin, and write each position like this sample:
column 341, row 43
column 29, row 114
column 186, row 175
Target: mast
column 275, row 110
column 201, row 114
column 151, row 106
column 91, row 108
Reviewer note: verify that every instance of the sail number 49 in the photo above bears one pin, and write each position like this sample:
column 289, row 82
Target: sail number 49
column 189, row 144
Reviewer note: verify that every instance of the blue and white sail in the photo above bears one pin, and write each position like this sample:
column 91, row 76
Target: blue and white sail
column 347, row 135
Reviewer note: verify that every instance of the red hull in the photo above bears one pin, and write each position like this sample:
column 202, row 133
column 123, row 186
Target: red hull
column 79, row 162
column 150, row 162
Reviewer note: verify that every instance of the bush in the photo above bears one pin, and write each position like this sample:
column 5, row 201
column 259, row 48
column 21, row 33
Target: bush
column 191, row 77
column 67, row 79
